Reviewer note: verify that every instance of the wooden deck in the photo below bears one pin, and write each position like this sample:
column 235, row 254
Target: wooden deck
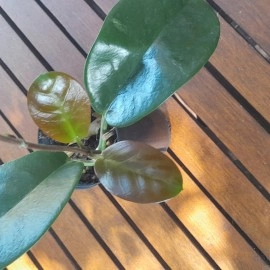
column 220, row 140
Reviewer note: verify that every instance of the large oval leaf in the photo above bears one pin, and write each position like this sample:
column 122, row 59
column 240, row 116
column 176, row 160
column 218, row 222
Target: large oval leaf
column 145, row 51
column 33, row 191
column 59, row 106
column 138, row 172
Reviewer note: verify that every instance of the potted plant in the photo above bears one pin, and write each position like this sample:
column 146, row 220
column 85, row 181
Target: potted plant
column 144, row 52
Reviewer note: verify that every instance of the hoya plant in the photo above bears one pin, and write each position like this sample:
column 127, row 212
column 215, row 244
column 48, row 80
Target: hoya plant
column 144, row 52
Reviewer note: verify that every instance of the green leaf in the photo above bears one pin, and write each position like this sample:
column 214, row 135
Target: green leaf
column 138, row 172
column 145, row 51
column 60, row 107
column 33, row 191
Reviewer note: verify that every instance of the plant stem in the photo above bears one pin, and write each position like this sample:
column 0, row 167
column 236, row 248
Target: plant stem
column 51, row 148
column 87, row 163
column 103, row 130
column 79, row 142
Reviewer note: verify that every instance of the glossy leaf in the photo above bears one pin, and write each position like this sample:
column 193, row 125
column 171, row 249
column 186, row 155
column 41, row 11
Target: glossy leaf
column 33, row 191
column 60, row 107
column 138, row 172
column 145, row 51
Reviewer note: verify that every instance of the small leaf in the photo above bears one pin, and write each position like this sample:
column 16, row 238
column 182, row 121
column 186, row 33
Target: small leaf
column 33, row 191
column 138, row 172
column 145, row 51
column 60, row 107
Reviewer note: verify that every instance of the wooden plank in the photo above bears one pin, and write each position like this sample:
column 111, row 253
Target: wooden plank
column 233, row 125
column 214, row 232
column 253, row 16
column 13, row 103
column 171, row 243
column 9, row 152
column 106, row 5
column 176, row 248
column 15, row 54
column 90, row 23
column 204, row 221
column 43, row 34
column 80, row 242
column 23, row 262
column 243, row 68
column 115, row 231
column 50, row 255
column 220, row 177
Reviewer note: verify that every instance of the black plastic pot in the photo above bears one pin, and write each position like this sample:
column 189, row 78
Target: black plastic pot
column 154, row 130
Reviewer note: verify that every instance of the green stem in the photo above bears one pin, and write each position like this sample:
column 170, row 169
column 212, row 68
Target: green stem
column 103, row 130
column 79, row 142
column 89, row 164
column 86, row 163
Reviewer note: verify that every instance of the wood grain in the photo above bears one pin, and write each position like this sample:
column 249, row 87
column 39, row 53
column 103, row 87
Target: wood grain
column 9, row 152
column 171, row 243
column 50, row 255
column 23, row 262
column 254, row 19
column 49, row 40
column 231, row 123
column 114, row 230
column 80, row 242
column 17, row 55
column 219, row 176
column 214, row 232
column 14, row 105
column 244, row 69
column 106, row 5
column 90, row 23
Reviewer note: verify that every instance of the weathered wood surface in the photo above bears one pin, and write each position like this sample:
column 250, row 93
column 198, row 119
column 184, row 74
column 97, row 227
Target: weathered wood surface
column 220, row 140
column 253, row 19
